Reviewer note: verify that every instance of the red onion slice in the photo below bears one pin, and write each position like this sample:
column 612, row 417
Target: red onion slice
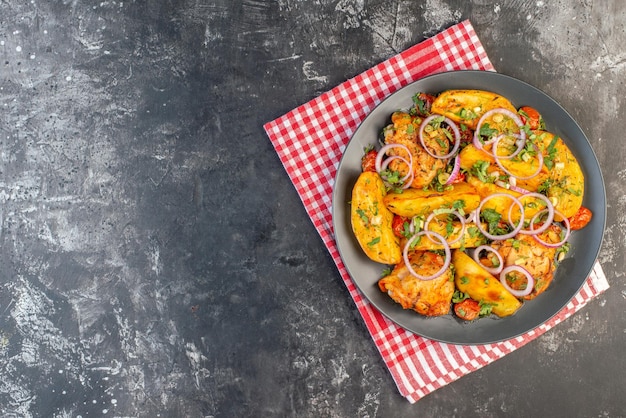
column 456, row 169
column 521, row 143
column 516, row 228
column 539, row 163
column 567, row 228
column 446, row 248
column 512, row 115
column 381, row 166
column 455, row 130
column 529, row 284
column 548, row 221
column 513, row 187
column 492, row 270
column 451, row 212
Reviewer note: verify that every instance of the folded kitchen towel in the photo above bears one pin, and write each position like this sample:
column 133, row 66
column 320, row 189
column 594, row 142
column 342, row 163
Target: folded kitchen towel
column 310, row 141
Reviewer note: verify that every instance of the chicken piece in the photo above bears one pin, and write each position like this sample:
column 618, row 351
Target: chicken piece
column 426, row 297
column 537, row 259
column 404, row 131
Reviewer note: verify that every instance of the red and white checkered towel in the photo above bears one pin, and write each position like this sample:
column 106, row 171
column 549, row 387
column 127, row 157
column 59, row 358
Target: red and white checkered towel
column 310, row 140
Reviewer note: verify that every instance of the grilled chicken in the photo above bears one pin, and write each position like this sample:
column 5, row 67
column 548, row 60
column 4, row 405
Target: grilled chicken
column 426, row 297
column 537, row 259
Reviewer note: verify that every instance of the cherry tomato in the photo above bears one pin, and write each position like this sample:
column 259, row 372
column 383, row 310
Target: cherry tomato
column 531, row 116
column 580, row 218
column 368, row 162
column 397, row 224
column 468, row 309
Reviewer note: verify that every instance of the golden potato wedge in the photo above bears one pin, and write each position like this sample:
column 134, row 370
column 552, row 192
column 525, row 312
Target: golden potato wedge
column 371, row 220
column 413, row 202
column 470, row 155
column 471, row 278
column 467, row 106
column 426, row 297
column 566, row 184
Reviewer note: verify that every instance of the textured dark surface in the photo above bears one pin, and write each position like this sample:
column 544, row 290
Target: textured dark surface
column 156, row 260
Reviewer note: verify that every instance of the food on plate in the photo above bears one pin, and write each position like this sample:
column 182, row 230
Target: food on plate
column 526, row 252
column 371, row 220
column 426, row 297
column 468, row 106
column 403, row 131
column 470, row 201
column 414, row 202
column 481, row 286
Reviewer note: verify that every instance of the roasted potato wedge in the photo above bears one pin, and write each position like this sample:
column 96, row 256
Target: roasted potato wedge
column 413, row 202
column 371, row 220
column 426, row 297
column 467, row 106
column 480, row 285
column 566, row 184
column 470, row 155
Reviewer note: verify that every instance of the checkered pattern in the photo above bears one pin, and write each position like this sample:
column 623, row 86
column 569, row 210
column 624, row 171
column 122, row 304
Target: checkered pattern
column 310, row 141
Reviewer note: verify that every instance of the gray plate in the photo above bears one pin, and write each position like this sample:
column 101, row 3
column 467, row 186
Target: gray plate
column 571, row 273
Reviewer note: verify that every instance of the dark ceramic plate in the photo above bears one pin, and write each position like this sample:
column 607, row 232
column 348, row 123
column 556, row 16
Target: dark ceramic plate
column 571, row 273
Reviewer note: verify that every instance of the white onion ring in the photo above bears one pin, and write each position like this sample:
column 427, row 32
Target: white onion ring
column 539, row 165
column 518, row 293
column 446, row 248
column 516, row 228
column 567, row 228
column 547, row 223
column 452, row 212
column 492, row 270
column 455, row 130
column 514, row 116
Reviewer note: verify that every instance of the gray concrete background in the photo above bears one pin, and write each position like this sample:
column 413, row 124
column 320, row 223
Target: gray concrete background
column 155, row 260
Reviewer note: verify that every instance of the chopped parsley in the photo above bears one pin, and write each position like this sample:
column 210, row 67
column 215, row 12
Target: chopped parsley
column 373, row 242
column 551, row 153
column 467, row 114
column 493, row 218
column 363, row 216
column 485, row 308
column 479, row 169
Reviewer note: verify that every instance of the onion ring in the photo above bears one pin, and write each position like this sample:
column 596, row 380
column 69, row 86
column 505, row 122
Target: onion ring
column 547, row 223
column 492, row 270
column 451, row 212
column 512, row 115
column 529, row 284
column 446, row 248
column 521, row 142
column 455, row 130
column 567, row 228
column 515, row 230
column 539, row 165
column 381, row 166
column 456, row 170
